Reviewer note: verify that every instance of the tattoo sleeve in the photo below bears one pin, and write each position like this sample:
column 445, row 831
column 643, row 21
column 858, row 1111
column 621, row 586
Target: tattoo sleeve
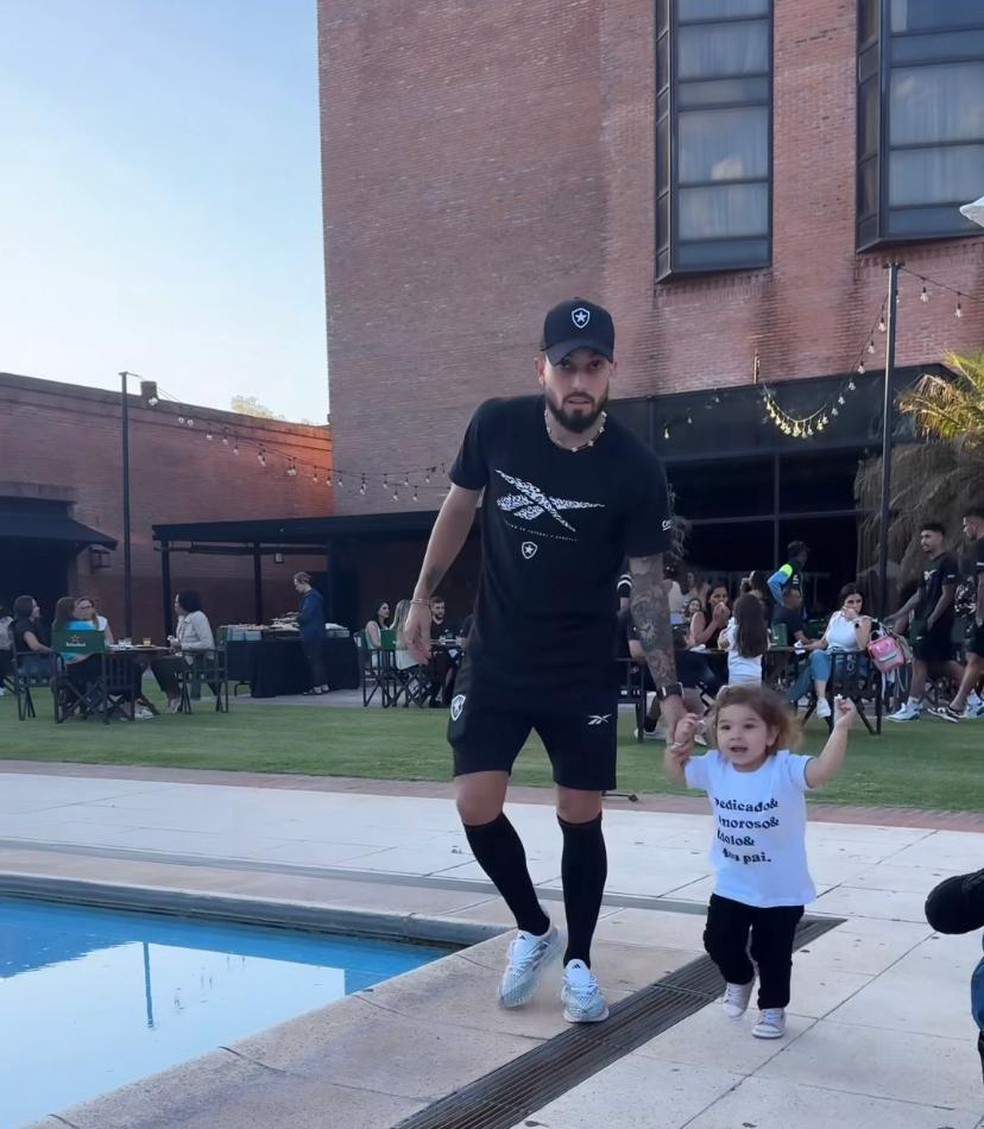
column 651, row 616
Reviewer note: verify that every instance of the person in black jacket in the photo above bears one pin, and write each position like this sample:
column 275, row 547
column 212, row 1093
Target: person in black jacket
column 311, row 621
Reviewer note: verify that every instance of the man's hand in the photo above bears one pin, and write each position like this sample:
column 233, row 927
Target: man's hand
column 673, row 712
column 416, row 631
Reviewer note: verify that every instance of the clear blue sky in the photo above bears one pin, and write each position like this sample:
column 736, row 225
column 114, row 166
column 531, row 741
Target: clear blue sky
column 160, row 197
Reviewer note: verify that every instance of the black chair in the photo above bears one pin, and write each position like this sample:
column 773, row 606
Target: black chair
column 632, row 688
column 854, row 676
column 210, row 668
column 374, row 676
column 75, row 696
column 30, row 672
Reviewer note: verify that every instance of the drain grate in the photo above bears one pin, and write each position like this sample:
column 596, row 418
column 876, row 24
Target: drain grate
column 506, row 1096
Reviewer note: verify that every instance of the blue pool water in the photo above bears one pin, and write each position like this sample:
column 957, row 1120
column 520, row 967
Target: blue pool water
column 91, row 999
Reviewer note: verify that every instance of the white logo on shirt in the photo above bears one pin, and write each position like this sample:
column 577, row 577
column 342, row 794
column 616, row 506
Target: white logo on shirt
column 457, row 705
column 531, row 502
column 580, row 317
column 528, row 549
column 667, row 524
column 599, row 718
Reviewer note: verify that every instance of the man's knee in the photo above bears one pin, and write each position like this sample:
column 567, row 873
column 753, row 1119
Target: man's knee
column 575, row 806
column 480, row 796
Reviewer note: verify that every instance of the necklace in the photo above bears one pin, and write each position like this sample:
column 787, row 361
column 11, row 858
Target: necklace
column 581, row 446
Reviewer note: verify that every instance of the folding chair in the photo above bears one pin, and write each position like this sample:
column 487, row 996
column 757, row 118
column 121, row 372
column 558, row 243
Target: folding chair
column 854, row 676
column 211, row 669
column 30, row 672
column 371, row 675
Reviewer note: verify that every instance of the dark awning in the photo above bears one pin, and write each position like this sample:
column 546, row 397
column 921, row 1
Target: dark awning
column 23, row 525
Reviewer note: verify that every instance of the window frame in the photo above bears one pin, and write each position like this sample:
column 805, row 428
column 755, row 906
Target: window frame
column 878, row 222
column 735, row 253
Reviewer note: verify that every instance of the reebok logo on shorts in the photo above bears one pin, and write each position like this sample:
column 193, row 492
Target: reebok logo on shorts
column 599, row 718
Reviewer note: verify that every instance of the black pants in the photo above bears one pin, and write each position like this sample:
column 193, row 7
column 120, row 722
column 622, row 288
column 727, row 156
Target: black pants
column 314, row 653
column 772, row 931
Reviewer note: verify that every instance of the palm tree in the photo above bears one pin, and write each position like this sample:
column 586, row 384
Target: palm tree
column 933, row 480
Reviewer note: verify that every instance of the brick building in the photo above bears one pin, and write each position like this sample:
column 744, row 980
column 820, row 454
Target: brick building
column 727, row 176
column 61, row 498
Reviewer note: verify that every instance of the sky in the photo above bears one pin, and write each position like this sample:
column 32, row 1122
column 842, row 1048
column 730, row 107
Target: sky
column 160, row 200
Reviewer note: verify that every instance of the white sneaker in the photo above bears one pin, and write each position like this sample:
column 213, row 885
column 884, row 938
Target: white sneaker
column 143, row 714
column 581, row 996
column 971, row 711
column 528, row 956
column 908, row 712
column 771, row 1024
column 823, row 707
column 736, row 997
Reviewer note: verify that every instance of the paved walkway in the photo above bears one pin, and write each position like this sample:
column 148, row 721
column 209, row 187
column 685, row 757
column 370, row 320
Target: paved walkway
column 880, row 1031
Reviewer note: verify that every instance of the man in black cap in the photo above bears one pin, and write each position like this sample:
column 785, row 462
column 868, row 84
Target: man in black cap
column 568, row 494
column 790, row 575
column 956, row 905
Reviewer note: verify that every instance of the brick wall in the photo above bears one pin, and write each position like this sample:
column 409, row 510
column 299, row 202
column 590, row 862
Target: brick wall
column 62, row 442
column 483, row 161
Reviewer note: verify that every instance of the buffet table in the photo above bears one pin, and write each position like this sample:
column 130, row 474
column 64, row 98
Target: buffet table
column 275, row 664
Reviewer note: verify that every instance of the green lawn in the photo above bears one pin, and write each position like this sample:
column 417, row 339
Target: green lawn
column 926, row 763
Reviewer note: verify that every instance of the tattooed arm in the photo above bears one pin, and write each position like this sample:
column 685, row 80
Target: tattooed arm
column 651, row 616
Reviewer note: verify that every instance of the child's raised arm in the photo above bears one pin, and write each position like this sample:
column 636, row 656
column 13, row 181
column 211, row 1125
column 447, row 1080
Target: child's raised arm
column 680, row 748
column 826, row 766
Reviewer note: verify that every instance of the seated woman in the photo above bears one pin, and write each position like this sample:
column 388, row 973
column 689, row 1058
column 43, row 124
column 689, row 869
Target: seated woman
column 32, row 655
column 847, row 631
column 86, row 607
column 80, row 669
column 373, row 629
column 193, row 638
column 707, row 623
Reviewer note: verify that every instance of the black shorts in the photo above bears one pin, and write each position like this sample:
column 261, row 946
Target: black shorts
column 578, row 725
column 934, row 646
column 974, row 637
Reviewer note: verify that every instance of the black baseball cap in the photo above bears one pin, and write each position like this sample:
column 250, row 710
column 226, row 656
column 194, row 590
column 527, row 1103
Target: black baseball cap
column 577, row 324
column 796, row 548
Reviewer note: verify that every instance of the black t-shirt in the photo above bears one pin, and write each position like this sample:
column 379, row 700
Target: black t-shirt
column 556, row 526
column 21, row 625
column 965, row 599
column 439, row 630
column 939, row 572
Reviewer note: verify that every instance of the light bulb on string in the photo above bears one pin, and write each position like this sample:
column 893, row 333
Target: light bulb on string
column 924, row 294
column 314, row 476
column 190, row 422
column 690, row 418
column 881, row 323
column 328, row 479
column 958, row 312
column 851, row 386
column 871, row 345
column 225, row 437
column 840, row 398
column 386, row 482
column 209, row 436
column 834, row 412
column 415, row 493
column 291, row 469
column 666, row 432
column 235, row 448
column 427, row 477
column 261, row 458
column 396, row 494
column 406, row 480
column 338, row 480
column 362, row 485
column 861, row 368
column 181, row 420
column 824, row 420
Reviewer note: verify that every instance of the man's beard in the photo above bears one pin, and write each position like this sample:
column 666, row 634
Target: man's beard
column 579, row 422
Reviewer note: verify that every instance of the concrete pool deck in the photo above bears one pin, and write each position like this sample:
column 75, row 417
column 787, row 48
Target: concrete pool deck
column 880, row 1031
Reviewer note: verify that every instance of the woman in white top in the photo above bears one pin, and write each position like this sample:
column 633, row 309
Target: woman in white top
column 193, row 637
column 747, row 639
column 86, row 608
column 847, row 630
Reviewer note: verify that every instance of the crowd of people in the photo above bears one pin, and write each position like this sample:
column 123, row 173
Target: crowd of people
column 31, row 644
column 436, row 675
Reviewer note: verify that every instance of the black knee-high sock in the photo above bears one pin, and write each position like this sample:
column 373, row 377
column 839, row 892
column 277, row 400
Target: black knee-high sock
column 499, row 852
column 583, row 871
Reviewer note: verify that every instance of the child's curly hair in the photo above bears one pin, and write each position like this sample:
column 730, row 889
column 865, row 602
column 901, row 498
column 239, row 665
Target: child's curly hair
column 771, row 707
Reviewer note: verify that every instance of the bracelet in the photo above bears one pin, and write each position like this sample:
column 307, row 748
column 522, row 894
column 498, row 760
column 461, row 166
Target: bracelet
column 421, row 603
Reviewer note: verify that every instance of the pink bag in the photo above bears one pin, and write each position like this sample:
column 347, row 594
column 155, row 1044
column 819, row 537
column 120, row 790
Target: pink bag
column 886, row 653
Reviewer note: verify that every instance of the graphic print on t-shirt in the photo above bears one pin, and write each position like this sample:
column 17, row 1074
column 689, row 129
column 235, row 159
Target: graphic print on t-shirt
column 531, row 503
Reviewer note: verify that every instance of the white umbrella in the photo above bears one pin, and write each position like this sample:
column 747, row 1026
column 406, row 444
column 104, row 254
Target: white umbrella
column 974, row 212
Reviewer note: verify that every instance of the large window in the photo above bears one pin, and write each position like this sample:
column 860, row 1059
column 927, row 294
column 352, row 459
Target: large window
column 713, row 135
column 920, row 117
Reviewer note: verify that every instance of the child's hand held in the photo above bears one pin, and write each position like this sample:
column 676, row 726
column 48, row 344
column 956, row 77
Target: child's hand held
column 845, row 711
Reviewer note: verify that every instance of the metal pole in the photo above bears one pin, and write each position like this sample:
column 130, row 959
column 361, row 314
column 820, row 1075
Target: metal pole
column 166, row 588
column 127, row 571
column 257, row 584
column 888, row 421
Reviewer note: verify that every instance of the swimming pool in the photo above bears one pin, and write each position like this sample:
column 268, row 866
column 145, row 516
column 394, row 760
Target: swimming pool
column 91, row 999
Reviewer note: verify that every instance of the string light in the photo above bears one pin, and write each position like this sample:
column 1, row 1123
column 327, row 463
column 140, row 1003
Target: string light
column 871, row 345
column 314, row 476
column 291, row 469
column 235, row 448
column 208, row 435
column 861, row 368
column 959, row 310
column 881, row 324
column 396, row 494
column 190, row 422
column 362, row 485
column 666, row 432
column 181, row 420
column 261, row 457
column 225, row 436
column 924, row 294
